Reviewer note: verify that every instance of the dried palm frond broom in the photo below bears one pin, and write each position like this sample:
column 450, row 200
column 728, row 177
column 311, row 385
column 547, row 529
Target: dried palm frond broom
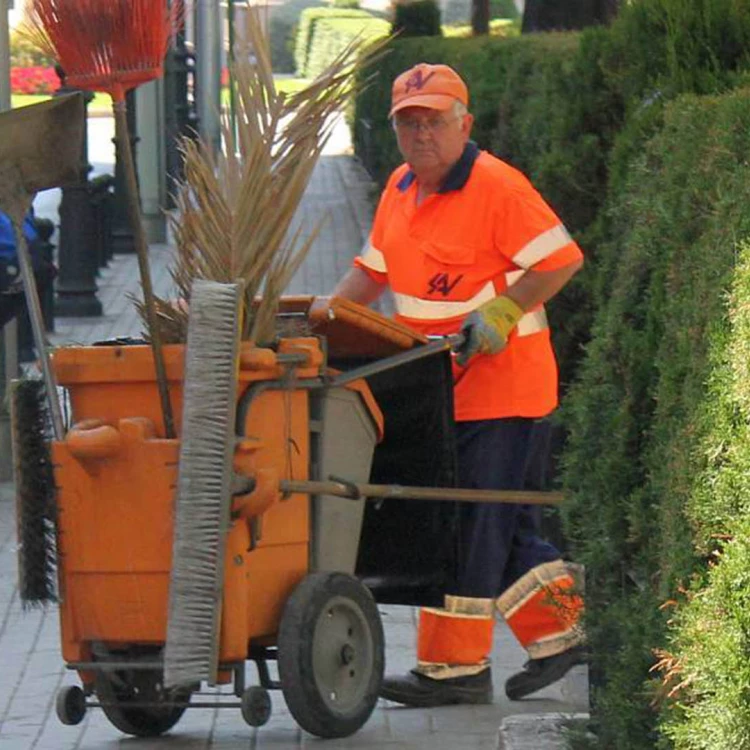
column 232, row 231
column 236, row 211
column 114, row 46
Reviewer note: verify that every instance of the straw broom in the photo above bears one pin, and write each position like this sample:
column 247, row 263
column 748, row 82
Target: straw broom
column 235, row 217
column 114, row 46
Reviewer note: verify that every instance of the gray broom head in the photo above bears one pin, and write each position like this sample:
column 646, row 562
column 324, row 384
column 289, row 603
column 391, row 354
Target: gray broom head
column 201, row 517
column 35, row 493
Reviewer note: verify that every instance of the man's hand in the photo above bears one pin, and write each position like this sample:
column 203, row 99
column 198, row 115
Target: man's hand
column 486, row 330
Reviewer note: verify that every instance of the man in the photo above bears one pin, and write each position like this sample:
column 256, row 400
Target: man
column 467, row 244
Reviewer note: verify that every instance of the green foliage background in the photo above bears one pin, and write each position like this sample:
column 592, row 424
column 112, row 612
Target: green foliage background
column 306, row 32
column 418, row 18
column 637, row 135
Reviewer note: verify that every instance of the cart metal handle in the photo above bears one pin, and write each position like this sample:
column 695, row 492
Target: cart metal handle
column 436, row 344
column 355, row 491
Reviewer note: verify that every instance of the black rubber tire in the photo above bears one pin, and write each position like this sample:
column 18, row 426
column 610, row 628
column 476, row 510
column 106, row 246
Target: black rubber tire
column 331, row 654
column 256, row 706
column 138, row 687
column 70, row 705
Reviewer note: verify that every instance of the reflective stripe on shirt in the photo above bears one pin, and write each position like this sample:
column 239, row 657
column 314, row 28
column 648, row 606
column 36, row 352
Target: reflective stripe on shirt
column 373, row 258
column 426, row 309
column 542, row 246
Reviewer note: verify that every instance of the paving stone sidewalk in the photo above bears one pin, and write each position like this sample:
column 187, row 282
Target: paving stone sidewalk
column 31, row 669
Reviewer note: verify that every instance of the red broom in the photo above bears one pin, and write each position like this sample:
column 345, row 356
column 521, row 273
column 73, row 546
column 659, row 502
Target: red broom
column 114, row 46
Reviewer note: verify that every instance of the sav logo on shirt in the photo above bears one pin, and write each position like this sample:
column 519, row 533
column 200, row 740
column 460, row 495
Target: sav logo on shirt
column 417, row 80
column 441, row 283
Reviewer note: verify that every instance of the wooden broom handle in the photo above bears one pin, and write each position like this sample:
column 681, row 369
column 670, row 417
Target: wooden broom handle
column 122, row 138
column 37, row 327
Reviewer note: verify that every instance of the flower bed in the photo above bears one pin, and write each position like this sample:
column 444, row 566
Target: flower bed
column 33, row 80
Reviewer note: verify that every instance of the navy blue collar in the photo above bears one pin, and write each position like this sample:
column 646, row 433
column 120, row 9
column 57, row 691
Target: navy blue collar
column 456, row 178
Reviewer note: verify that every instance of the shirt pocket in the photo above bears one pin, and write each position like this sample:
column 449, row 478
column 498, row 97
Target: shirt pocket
column 449, row 254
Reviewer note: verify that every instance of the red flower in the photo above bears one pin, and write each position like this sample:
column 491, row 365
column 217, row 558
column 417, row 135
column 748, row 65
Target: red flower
column 33, row 80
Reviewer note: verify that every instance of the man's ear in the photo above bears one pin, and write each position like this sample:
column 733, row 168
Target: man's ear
column 466, row 124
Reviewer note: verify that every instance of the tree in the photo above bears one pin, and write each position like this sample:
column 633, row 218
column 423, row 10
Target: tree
column 480, row 17
column 556, row 15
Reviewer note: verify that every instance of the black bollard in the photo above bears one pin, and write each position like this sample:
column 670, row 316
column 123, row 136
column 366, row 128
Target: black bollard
column 180, row 115
column 122, row 232
column 47, row 271
column 76, row 283
column 42, row 252
column 101, row 195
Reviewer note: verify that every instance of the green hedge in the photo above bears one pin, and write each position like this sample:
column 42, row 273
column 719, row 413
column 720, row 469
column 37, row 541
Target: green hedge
column 309, row 18
column 282, row 32
column 711, row 632
column 416, row 18
column 332, row 35
column 635, row 411
column 653, row 182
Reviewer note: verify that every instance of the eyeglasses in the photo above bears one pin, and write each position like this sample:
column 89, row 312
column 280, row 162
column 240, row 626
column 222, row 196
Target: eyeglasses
column 430, row 125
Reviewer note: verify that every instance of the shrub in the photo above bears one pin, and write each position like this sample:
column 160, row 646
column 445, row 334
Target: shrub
column 25, row 54
column 417, row 18
column 282, row 31
column 634, row 412
column 346, row 4
column 710, row 632
column 498, row 27
column 332, row 35
column 306, row 30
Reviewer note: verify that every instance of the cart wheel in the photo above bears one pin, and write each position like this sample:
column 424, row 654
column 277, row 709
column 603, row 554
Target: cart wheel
column 70, row 705
column 331, row 654
column 256, row 706
column 118, row 689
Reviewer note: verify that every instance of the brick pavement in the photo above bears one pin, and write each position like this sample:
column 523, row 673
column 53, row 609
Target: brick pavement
column 31, row 669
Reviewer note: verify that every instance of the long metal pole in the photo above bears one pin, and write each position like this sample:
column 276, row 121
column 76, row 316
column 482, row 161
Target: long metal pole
column 355, row 491
column 4, row 57
column 208, row 69
column 8, row 354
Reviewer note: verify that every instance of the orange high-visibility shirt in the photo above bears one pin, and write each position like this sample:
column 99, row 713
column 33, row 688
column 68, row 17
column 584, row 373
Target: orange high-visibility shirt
column 460, row 248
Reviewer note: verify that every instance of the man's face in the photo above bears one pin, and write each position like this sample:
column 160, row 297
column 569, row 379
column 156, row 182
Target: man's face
column 431, row 139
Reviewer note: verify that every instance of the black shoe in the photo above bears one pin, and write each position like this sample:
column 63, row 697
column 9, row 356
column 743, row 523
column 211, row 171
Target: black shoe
column 416, row 690
column 538, row 673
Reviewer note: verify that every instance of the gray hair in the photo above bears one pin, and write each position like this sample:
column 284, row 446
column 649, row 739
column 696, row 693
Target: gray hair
column 459, row 109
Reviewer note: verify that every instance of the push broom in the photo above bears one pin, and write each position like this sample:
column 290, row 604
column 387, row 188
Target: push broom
column 114, row 46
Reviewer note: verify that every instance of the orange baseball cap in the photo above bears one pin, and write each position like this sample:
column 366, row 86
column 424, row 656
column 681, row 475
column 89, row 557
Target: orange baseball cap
column 425, row 85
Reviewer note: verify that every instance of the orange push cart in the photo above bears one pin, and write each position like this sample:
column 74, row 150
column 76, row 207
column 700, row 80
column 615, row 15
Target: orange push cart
column 293, row 574
column 289, row 593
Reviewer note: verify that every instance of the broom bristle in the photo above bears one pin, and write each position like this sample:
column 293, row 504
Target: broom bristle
column 203, row 497
column 35, row 493
column 105, row 45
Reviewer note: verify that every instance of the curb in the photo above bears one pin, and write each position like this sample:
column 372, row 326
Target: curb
column 536, row 731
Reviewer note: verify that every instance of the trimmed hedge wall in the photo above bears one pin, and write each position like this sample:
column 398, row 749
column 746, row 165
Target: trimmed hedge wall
column 707, row 664
column 633, row 413
column 332, row 35
column 283, row 21
column 653, row 181
column 309, row 18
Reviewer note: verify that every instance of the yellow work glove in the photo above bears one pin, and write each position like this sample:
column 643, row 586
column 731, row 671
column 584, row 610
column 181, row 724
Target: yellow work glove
column 486, row 330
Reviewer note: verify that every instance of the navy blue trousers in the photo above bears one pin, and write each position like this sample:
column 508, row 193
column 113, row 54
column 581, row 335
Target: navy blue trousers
column 499, row 542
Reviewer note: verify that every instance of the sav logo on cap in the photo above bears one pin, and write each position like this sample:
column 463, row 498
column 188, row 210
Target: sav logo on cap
column 417, row 80
column 430, row 86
